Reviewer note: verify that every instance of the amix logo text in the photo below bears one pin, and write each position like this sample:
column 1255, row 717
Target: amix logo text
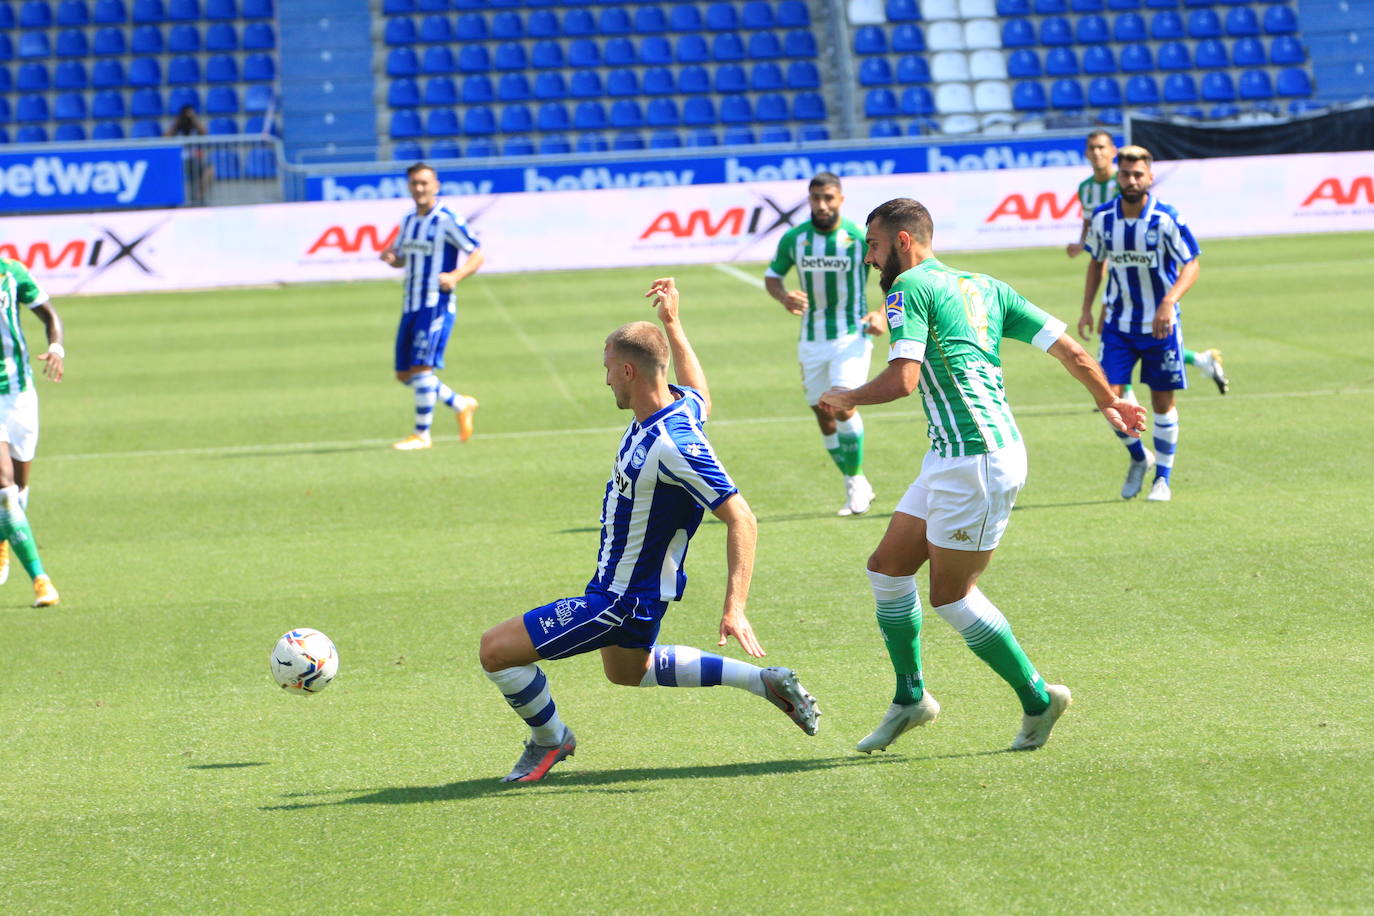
column 825, row 262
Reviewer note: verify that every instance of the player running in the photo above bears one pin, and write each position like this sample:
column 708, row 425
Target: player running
column 428, row 245
column 947, row 327
column 1097, row 190
column 828, row 252
column 19, row 419
column 664, row 475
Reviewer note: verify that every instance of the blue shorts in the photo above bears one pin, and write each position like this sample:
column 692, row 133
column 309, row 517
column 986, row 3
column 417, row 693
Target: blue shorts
column 571, row 626
column 1161, row 360
column 422, row 338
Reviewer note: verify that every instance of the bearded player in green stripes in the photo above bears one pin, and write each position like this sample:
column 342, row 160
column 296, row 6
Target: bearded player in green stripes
column 947, row 327
column 19, row 418
column 828, row 252
column 1095, row 191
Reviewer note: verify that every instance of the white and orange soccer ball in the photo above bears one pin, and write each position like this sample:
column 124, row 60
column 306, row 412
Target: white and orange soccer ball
column 304, row 661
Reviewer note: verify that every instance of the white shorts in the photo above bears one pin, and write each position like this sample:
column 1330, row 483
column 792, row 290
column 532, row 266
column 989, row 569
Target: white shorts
column 826, row 364
column 967, row 501
column 19, row 423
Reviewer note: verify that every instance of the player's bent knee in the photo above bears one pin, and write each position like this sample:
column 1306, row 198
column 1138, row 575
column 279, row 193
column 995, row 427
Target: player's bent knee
column 493, row 652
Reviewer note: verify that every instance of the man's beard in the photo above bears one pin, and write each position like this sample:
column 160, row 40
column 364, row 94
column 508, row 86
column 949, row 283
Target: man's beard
column 891, row 270
column 825, row 223
column 1133, row 197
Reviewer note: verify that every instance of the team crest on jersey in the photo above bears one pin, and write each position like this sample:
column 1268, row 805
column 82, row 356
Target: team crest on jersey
column 1152, row 237
column 896, row 309
column 640, row 456
column 841, row 238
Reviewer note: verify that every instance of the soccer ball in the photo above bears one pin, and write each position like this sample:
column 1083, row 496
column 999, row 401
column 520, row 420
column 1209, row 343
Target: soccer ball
column 304, row 661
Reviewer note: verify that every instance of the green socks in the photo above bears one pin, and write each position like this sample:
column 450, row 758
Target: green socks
column 846, row 445
column 899, row 620
column 988, row 634
column 14, row 527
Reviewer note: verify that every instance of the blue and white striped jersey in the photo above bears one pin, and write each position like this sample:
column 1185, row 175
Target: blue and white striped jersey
column 665, row 475
column 430, row 245
column 1143, row 255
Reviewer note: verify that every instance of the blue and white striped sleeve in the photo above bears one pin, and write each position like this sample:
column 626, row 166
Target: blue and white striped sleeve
column 1180, row 241
column 687, row 459
column 459, row 234
column 1093, row 243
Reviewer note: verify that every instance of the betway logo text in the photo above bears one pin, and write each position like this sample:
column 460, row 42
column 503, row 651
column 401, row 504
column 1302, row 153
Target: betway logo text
column 1000, row 157
column 797, row 167
column 1135, row 258
column 591, row 179
column 52, row 176
column 392, row 186
column 824, row 263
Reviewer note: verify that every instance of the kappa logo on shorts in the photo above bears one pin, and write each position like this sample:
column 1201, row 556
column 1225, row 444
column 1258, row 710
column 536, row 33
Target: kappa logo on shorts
column 962, row 537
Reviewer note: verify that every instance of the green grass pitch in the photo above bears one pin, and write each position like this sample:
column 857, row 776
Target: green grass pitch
column 215, row 471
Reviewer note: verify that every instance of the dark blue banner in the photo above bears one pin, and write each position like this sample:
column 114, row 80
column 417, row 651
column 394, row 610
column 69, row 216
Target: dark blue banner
column 698, row 169
column 101, row 179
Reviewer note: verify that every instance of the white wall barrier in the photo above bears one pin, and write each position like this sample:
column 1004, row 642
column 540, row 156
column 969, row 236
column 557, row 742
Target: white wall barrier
column 305, row 242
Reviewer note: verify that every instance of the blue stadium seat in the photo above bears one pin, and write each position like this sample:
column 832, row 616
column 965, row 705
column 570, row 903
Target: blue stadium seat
column 699, row 110
column 478, row 121
column 407, row 151
column 6, row 47
column 793, row 14
column 757, row 14
column 1093, row 30
column 34, row 45
column 771, row 106
column 808, row 106
column 659, row 81
column 869, row 39
column 766, row 76
column 650, row 20
column 727, row 46
column 71, row 43
column 1303, row 106
column 1023, row 63
column 905, row 11
column 660, row 113
column 799, row 43
column 435, row 28
column 1204, row 23
column 875, row 71
column 1165, row 25
column 584, row 53
column 257, row 124
column 261, row 162
column 183, row 39
column 665, row 139
column 146, row 128
column 1061, row 62
column 183, row 10
column 622, row 82
column 1136, row 58
column 109, row 11
column 655, row 50
column 1224, row 112
column 808, row 133
column 1190, row 111
column 35, row 14
column 108, row 130
column 1017, row 33
column 693, row 80
column 1180, row 88
column 69, row 106
column 147, row 39
column 149, row 11
column 553, row 116
column 471, row 27
column 221, row 36
column 441, row 90
column 106, row 74
column 918, row 100
column 1255, row 86
column 546, row 55
column 1280, row 20
column 554, row 145
column 1087, row 6
column 1248, row 52
column 7, row 23
column 882, row 130
column 1111, row 117
column 775, row 133
column 221, row 9
column 400, row 30
column 33, row 78
column 507, row 25
column 226, row 162
column 619, row 52
column 1104, row 92
column 1173, row 55
column 910, row 69
column 517, row 146
column 578, row 22
column 1294, row 82
column 474, row 59
column 1097, row 59
column 1014, row 8
column 403, row 93
column 739, row 135
column 1123, row 6
column 182, row 96
column 1241, row 22
column 400, row 62
column 73, row 13
column 257, row 9
column 258, row 36
column 258, row 67
column 70, row 74
column 1218, row 87
column 730, row 78
column 183, row 70
column 590, row 116
column 543, row 24
column 478, row 90
column 31, row 133
column 145, row 71
column 222, row 100
column 721, row 17
column 908, row 39
column 1066, row 94
column 516, row 119
column 550, row 86
column 1287, row 50
column 614, row 21
column 627, row 140
column 736, row 109
column 437, row 59
column 764, row 46
column 685, row 18
column 1051, row 7
column 514, row 87
column 703, row 137
column 586, row 84
column 1130, row 27
column 1210, row 55
column 1161, row 4
column 481, row 148
column 1142, row 90
column 146, row 103
column 1054, row 30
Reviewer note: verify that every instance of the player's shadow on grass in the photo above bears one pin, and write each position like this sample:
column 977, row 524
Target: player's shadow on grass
column 226, row 766
column 565, row 780
column 1085, row 502
column 768, row 520
column 289, row 451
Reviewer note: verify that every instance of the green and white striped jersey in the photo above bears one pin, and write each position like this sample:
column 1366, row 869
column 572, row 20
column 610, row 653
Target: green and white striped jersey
column 833, row 276
column 1093, row 193
column 952, row 322
column 16, row 288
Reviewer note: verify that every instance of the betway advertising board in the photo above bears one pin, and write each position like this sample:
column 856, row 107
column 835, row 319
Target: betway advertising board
column 700, row 170
column 91, row 179
column 308, row 242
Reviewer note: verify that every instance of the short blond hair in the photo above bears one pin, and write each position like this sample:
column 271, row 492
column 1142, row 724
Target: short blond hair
column 642, row 344
column 1135, row 154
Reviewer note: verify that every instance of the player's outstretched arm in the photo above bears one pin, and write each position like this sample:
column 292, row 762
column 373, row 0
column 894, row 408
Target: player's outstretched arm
column 52, row 324
column 1123, row 415
column 740, row 539
column 898, row 380
column 686, row 367
column 792, row 300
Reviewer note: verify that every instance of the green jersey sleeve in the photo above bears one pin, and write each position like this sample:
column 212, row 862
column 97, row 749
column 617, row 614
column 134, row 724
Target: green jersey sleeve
column 784, row 259
column 27, row 291
column 908, row 320
column 1025, row 321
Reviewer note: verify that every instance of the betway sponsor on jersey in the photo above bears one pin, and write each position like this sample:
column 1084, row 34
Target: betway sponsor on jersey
column 1135, row 259
column 91, row 179
column 823, row 262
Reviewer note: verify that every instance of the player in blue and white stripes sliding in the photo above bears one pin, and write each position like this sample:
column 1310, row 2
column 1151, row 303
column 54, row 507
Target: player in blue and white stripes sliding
column 664, row 476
